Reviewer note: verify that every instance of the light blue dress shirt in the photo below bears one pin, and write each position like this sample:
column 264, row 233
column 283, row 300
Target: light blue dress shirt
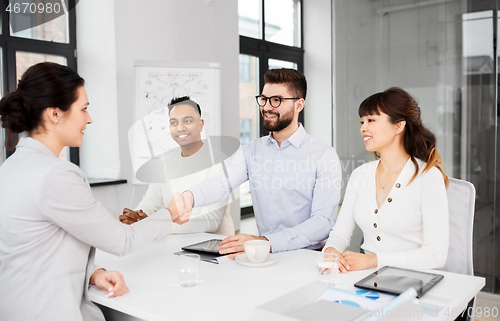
column 295, row 188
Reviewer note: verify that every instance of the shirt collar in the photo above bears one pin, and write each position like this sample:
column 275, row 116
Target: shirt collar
column 31, row 143
column 296, row 138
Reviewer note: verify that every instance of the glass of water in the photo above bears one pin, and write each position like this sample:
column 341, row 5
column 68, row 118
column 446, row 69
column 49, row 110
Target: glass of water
column 328, row 267
column 189, row 265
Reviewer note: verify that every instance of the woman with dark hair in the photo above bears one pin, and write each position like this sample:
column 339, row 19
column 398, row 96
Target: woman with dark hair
column 399, row 201
column 50, row 223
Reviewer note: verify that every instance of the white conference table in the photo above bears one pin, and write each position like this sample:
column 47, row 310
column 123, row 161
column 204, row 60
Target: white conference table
column 230, row 291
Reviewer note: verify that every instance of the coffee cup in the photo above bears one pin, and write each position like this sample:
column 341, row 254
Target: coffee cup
column 257, row 251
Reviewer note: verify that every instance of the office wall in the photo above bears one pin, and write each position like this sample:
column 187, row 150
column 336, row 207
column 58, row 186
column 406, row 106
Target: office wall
column 174, row 30
column 319, row 111
column 97, row 65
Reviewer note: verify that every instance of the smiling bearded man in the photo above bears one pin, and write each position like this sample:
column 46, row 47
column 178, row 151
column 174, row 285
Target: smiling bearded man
column 294, row 178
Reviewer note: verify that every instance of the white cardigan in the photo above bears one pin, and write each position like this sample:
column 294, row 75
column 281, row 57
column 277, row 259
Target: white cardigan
column 409, row 230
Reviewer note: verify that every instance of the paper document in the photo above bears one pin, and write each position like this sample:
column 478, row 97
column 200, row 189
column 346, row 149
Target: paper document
column 356, row 297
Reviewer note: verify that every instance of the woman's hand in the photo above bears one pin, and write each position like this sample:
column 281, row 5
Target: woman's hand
column 358, row 261
column 110, row 281
column 343, row 264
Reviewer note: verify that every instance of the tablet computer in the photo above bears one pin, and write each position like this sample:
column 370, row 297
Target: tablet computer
column 395, row 281
column 209, row 246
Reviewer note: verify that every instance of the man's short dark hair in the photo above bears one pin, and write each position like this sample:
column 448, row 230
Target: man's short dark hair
column 294, row 79
column 184, row 100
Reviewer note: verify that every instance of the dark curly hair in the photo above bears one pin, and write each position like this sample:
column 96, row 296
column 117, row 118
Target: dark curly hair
column 184, row 100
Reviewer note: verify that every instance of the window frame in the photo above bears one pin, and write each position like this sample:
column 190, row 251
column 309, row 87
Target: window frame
column 10, row 44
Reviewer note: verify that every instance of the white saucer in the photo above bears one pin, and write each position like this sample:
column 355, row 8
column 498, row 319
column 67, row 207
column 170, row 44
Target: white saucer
column 243, row 260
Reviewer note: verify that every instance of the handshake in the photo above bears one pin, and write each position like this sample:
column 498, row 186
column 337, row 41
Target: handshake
column 180, row 209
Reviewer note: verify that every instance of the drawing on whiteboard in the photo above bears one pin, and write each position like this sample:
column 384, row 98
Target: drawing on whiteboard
column 162, row 87
column 156, row 84
column 157, row 130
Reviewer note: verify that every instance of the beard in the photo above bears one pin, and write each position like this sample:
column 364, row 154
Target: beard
column 281, row 122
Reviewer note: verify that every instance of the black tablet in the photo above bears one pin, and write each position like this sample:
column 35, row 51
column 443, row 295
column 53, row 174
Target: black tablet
column 209, row 246
column 395, row 281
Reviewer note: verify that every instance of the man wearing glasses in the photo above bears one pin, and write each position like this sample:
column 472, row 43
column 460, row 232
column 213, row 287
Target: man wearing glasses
column 294, row 178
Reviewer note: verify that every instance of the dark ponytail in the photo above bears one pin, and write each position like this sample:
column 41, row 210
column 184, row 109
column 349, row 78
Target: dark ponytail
column 43, row 85
column 14, row 113
column 418, row 141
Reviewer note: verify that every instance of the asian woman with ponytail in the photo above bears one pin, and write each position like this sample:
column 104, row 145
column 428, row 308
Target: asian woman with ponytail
column 399, row 201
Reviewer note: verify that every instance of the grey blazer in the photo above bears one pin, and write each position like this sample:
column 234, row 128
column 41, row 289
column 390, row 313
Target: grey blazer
column 50, row 225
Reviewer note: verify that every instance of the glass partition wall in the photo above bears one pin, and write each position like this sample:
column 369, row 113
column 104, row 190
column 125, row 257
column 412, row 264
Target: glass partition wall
column 443, row 53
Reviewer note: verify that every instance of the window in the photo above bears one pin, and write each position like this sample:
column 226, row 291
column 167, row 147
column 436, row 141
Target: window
column 246, row 65
column 26, row 39
column 245, row 131
column 270, row 37
column 282, row 20
column 276, row 64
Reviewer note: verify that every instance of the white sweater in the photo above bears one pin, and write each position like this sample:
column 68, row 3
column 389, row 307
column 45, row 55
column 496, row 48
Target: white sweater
column 411, row 227
column 182, row 173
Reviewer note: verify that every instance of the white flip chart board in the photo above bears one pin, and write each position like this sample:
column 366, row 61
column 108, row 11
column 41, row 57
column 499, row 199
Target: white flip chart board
column 157, row 82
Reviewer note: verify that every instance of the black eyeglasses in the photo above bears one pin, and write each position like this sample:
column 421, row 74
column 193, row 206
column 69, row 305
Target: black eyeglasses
column 274, row 101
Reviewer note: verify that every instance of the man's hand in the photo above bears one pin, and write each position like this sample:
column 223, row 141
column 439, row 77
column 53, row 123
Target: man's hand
column 358, row 261
column 343, row 263
column 110, row 281
column 233, row 245
column 181, row 207
column 130, row 217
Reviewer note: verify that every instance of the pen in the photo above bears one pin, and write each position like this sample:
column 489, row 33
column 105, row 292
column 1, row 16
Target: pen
column 404, row 297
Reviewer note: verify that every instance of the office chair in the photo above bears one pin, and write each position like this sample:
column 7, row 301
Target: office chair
column 461, row 201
